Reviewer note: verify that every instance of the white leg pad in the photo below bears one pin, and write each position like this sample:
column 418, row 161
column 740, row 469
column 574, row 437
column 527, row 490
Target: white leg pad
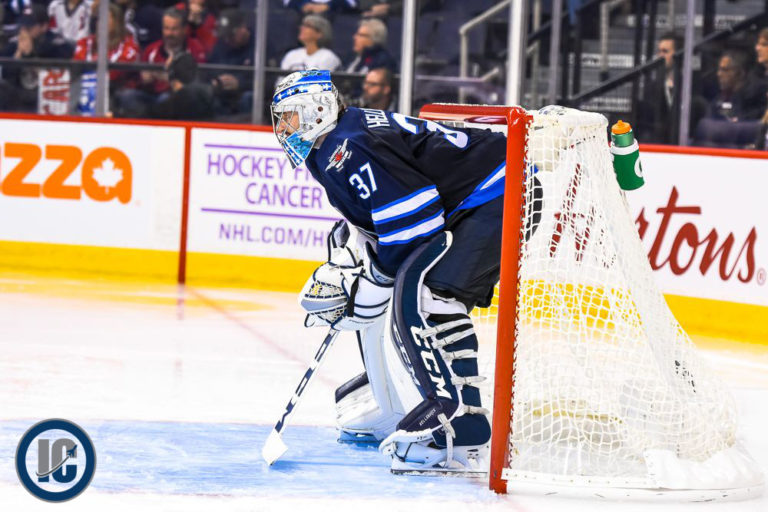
column 376, row 408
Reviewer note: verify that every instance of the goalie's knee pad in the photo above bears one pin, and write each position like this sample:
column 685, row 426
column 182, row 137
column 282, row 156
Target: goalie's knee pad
column 440, row 352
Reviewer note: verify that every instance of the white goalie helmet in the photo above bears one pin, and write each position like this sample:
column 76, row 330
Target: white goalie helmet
column 304, row 107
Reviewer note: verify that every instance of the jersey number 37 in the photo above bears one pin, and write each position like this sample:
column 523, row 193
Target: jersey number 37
column 357, row 181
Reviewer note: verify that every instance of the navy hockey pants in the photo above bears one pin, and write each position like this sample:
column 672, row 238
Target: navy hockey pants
column 470, row 269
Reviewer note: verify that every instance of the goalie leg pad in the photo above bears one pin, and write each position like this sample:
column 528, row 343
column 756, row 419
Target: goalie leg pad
column 353, row 384
column 427, row 368
column 369, row 406
column 461, row 445
column 440, row 353
column 356, row 411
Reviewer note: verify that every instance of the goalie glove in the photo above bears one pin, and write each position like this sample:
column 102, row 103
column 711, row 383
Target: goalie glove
column 347, row 297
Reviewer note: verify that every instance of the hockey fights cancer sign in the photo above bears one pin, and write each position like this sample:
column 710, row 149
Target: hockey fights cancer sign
column 245, row 198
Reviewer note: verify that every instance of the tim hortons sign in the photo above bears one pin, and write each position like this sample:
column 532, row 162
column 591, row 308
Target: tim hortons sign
column 700, row 228
column 703, row 219
column 698, row 251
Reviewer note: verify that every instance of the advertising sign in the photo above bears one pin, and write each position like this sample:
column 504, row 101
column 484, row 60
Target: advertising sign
column 704, row 224
column 245, row 198
column 53, row 91
column 93, row 184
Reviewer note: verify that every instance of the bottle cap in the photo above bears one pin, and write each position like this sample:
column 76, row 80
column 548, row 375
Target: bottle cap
column 621, row 128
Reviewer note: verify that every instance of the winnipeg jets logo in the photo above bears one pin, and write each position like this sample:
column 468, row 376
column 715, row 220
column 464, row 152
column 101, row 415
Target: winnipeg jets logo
column 339, row 156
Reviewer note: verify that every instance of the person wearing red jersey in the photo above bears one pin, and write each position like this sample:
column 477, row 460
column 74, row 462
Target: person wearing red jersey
column 174, row 40
column 122, row 48
column 154, row 85
column 201, row 23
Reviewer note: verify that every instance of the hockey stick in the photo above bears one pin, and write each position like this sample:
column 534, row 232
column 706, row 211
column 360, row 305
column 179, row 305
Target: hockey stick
column 274, row 447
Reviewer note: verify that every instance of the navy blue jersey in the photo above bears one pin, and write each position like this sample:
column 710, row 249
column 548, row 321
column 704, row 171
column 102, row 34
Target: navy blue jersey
column 403, row 179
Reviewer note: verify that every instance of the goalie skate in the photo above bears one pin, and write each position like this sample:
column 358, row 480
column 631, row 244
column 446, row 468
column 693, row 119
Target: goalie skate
column 429, row 460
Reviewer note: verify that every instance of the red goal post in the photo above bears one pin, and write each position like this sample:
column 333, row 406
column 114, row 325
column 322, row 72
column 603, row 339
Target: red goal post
column 516, row 120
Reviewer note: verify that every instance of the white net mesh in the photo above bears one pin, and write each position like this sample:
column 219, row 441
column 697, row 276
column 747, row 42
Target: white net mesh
column 607, row 383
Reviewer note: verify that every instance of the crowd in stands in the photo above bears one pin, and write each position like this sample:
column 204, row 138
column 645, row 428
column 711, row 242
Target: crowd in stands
column 729, row 104
column 207, row 31
column 728, row 107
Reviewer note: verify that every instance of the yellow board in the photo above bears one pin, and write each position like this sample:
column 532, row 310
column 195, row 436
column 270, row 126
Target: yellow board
column 705, row 317
column 744, row 322
column 250, row 271
column 143, row 264
column 82, row 261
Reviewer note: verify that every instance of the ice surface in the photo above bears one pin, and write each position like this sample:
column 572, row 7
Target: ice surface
column 179, row 387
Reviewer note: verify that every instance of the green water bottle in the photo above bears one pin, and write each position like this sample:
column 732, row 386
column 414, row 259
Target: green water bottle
column 626, row 157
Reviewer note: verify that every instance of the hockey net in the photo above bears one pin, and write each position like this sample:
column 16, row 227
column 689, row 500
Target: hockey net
column 597, row 387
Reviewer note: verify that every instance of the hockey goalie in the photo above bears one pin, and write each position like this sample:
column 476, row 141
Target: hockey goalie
column 419, row 249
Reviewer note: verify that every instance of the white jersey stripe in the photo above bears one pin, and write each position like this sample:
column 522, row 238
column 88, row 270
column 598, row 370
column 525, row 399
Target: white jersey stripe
column 405, row 206
column 493, row 179
column 405, row 235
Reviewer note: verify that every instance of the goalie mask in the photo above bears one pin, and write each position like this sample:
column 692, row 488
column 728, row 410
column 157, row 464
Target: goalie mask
column 304, row 107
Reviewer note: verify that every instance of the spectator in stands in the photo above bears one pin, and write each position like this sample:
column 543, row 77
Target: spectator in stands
column 656, row 121
column 315, row 36
column 189, row 99
column 378, row 90
column 730, row 103
column 122, row 48
column 201, row 22
column 71, row 19
column 174, row 40
column 757, row 80
column 761, row 49
column 369, row 46
column 128, row 7
column 18, row 88
column 143, row 19
column 233, row 89
column 733, row 119
column 154, row 85
column 322, row 7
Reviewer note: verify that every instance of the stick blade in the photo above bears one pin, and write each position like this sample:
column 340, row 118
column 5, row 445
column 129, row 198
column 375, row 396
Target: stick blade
column 273, row 448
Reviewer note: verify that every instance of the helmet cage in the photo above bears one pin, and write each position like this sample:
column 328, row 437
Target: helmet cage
column 304, row 107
